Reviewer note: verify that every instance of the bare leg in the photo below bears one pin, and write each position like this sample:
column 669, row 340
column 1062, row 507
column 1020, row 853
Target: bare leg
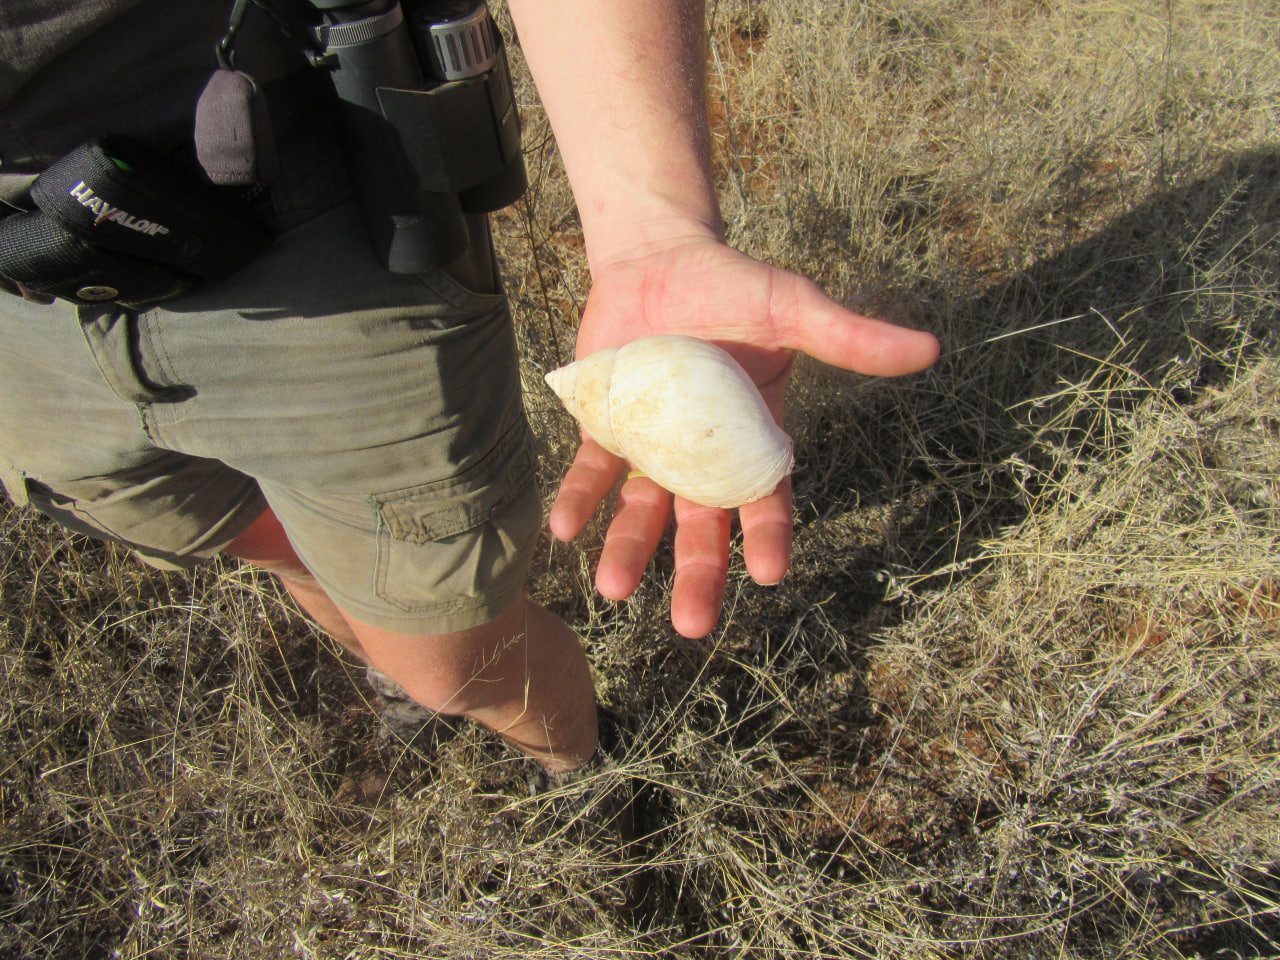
column 265, row 545
column 523, row 674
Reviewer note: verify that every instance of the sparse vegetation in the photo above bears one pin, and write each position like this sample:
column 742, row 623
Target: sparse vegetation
column 1019, row 696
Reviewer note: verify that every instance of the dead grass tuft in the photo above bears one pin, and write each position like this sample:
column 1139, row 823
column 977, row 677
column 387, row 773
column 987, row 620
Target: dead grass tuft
column 1018, row 696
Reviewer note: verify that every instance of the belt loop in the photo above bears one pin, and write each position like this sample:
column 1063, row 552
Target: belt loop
column 114, row 340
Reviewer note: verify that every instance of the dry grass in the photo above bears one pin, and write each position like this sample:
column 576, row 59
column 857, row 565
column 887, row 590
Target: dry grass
column 1018, row 697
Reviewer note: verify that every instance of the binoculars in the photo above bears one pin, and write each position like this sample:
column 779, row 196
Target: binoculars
column 428, row 120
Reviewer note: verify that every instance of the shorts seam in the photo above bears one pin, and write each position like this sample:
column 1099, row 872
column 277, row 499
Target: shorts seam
column 427, row 619
column 155, row 338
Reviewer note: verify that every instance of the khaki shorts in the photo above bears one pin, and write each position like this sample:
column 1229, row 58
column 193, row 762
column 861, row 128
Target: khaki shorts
column 378, row 415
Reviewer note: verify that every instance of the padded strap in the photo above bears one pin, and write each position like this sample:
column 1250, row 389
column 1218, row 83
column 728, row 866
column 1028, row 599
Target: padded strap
column 123, row 197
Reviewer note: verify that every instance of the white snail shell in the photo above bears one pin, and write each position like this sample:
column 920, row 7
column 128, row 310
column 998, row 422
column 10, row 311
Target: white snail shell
column 684, row 413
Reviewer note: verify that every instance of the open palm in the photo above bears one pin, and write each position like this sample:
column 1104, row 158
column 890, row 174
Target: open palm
column 762, row 316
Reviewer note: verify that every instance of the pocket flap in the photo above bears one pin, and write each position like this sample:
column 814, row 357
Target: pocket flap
column 446, row 508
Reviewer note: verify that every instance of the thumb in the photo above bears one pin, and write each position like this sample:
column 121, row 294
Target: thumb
column 806, row 319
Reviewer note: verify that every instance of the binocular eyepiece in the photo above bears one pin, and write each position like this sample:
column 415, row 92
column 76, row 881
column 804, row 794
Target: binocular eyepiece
column 428, row 119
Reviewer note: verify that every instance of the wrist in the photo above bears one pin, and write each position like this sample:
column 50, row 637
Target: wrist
column 619, row 239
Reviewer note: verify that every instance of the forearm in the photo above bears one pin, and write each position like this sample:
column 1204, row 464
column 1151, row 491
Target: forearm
column 623, row 85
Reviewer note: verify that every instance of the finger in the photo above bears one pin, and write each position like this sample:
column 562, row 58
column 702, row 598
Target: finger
column 584, row 487
column 809, row 321
column 766, row 534
column 639, row 520
column 702, row 564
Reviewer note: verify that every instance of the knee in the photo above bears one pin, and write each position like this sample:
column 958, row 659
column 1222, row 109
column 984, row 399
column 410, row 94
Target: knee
column 454, row 673
column 449, row 683
column 445, row 698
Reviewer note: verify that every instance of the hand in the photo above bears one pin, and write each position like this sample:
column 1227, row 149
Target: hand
column 700, row 287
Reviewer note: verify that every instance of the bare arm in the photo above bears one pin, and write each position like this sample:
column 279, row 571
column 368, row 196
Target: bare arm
column 623, row 84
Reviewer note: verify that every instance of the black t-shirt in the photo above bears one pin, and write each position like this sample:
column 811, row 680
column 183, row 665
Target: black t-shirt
column 71, row 70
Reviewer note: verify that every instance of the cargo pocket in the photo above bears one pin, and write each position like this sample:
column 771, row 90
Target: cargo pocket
column 462, row 543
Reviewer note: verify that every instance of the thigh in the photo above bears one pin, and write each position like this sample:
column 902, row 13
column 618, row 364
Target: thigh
column 73, row 445
column 380, row 414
